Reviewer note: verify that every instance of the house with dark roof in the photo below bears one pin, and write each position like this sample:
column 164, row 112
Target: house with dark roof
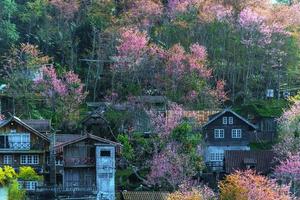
column 261, row 161
column 76, row 159
column 23, row 145
column 225, row 131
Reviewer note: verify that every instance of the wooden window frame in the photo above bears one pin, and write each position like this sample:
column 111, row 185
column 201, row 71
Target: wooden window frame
column 224, row 120
column 5, row 159
column 219, row 133
column 236, row 133
column 230, row 120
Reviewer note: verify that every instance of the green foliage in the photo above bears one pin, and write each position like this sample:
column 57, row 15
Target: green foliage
column 262, row 108
column 101, row 14
column 127, row 150
column 8, row 33
column 33, row 11
column 15, row 193
column 261, row 146
column 27, row 173
column 7, row 175
column 185, row 135
column 8, row 8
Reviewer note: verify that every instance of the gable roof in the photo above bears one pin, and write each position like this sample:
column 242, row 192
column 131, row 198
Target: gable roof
column 22, row 123
column 263, row 160
column 216, row 116
column 86, row 136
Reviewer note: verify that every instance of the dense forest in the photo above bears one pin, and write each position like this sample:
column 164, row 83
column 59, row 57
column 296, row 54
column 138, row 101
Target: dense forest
column 201, row 54
column 58, row 55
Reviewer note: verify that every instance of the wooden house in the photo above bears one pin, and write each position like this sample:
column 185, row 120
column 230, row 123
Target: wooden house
column 76, row 160
column 266, row 129
column 225, row 130
column 23, row 145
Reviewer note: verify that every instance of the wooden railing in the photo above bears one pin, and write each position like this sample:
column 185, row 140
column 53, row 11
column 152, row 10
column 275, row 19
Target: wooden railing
column 215, row 165
column 67, row 189
column 78, row 161
column 20, row 146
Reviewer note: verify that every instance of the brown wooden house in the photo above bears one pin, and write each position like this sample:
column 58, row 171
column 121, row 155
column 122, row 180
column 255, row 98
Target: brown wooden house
column 224, row 131
column 22, row 145
column 75, row 160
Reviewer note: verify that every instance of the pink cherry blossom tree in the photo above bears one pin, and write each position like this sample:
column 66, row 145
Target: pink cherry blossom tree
column 288, row 171
column 64, row 94
column 144, row 13
column 149, row 65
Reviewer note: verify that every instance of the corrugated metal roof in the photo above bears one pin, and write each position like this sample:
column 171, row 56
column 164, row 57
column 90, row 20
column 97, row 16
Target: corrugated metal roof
column 144, row 195
column 262, row 160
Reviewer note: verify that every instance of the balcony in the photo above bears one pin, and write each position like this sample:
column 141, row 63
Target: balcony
column 79, row 162
column 21, row 146
column 215, row 165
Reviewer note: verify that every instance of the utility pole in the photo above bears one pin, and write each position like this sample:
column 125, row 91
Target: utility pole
column 52, row 163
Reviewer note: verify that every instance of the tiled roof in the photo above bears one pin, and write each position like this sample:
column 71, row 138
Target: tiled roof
column 144, row 195
column 263, row 160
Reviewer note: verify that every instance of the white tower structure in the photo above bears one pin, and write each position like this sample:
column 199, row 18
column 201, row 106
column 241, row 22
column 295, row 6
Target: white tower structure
column 105, row 171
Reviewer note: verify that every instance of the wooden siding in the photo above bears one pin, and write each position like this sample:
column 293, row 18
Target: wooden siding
column 36, row 142
column 79, row 177
column 227, row 140
column 80, row 154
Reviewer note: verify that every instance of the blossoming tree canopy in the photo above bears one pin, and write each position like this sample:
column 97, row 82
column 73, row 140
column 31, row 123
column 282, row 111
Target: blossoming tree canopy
column 63, row 93
column 248, row 185
column 151, row 65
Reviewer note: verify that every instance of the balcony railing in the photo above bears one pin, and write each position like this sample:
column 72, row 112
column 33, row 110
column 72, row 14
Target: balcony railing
column 215, row 165
column 16, row 146
column 67, row 189
column 73, row 162
column 21, row 146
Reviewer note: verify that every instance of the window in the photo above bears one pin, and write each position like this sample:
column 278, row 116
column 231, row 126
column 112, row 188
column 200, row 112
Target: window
column 105, row 153
column 19, row 141
column 224, row 120
column 28, row 185
column 230, row 120
column 219, row 133
column 219, row 156
column 236, row 133
column 29, row 159
column 59, row 162
column 7, row 159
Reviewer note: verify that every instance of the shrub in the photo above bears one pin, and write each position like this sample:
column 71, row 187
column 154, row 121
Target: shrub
column 28, row 174
column 14, row 191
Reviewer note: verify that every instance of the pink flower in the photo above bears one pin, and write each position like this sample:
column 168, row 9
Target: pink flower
column 219, row 92
column 198, row 51
column 219, row 11
column 289, row 168
column 132, row 42
column 176, row 57
column 248, row 18
column 177, row 6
